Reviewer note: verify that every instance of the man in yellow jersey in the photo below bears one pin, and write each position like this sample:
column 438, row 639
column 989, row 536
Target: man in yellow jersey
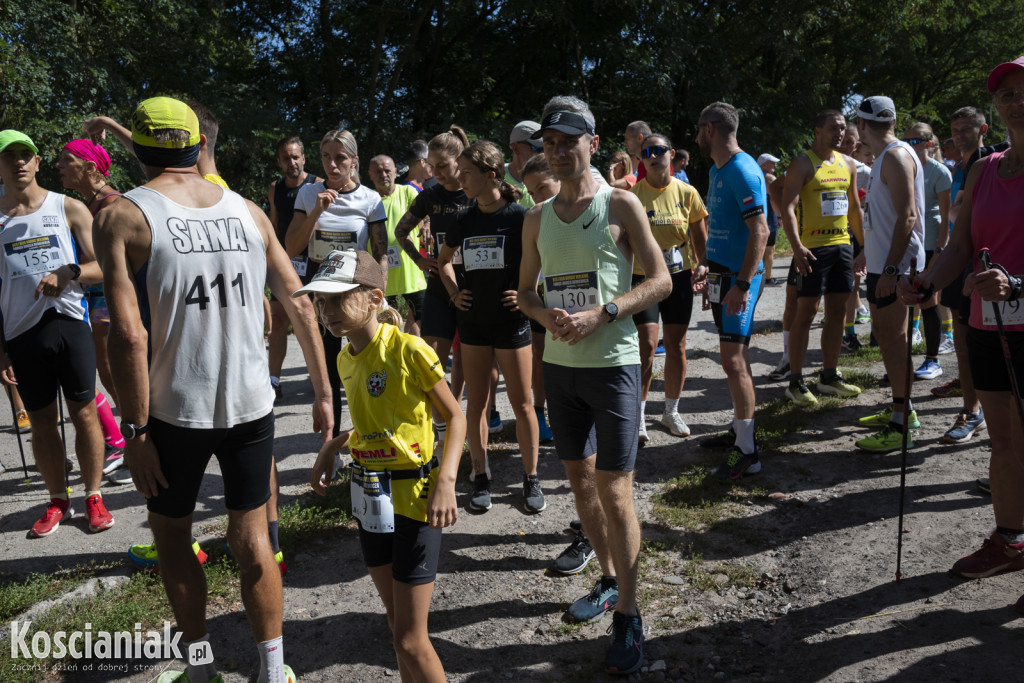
column 819, row 208
column 405, row 279
column 585, row 239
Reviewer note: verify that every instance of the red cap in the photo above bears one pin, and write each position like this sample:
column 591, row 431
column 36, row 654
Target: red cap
column 1002, row 70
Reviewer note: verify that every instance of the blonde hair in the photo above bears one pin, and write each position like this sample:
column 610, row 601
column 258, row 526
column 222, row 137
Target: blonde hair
column 627, row 162
column 348, row 143
column 385, row 312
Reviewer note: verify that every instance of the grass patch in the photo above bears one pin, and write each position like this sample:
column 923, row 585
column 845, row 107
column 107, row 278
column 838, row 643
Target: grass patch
column 780, row 417
column 141, row 600
column 706, row 577
column 695, row 500
column 864, row 379
column 310, row 516
column 782, row 245
column 19, row 593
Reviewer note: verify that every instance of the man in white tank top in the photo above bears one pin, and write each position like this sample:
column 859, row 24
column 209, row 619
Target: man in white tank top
column 185, row 262
column 46, row 341
column 893, row 241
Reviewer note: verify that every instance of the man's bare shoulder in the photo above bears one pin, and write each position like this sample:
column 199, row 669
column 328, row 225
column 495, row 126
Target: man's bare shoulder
column 122, row 216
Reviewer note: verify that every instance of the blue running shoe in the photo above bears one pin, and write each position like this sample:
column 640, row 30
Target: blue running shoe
column 626, row 653
column 494, row 425
column 659, row 350
column 592, row 606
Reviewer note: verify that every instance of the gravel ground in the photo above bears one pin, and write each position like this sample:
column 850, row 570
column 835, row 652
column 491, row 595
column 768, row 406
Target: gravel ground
column 816, row 540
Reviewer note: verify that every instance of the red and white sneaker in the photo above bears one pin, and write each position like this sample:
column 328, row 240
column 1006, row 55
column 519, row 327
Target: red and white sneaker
column 56, row 512
column 995, row 555
column 96, row 511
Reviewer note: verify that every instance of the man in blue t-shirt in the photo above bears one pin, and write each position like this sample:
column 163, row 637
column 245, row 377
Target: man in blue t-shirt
column 732, row 273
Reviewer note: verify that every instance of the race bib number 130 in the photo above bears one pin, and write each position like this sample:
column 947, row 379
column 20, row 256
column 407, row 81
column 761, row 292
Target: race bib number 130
column 571, row 291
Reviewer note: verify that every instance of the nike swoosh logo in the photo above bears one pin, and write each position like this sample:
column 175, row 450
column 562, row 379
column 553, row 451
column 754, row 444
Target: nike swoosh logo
column 588, row 224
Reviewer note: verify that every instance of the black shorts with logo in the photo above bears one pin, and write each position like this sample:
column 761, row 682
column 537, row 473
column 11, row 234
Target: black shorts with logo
column 831, row 272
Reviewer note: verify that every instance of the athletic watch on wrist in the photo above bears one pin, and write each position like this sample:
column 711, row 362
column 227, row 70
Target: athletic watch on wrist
column 76, row 270
column 130, row 431
column 743, row 285
column 891, row 270
column 612, row 310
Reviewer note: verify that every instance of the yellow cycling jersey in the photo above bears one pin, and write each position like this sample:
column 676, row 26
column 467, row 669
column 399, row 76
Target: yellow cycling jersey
column 386, row 386
column 824, row 203
column 670, row 211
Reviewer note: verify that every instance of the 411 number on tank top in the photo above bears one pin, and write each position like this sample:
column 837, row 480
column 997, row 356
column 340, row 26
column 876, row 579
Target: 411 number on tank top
column 197, row 291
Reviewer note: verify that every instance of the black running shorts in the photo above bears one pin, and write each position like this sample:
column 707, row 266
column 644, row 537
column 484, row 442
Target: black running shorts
column 594, row 410
column 438, row 319
column 831, row 272
column 675, row 309
column 245, row 453
column 411, row 550
column 56, row 353
column 988, row 364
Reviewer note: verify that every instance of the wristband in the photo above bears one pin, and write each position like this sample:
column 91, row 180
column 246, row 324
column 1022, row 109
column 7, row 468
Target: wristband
column 1016, row 284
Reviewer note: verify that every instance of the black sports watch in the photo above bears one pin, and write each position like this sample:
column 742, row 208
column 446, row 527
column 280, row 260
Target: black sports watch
column 743, row 285
column 130, row 431
column 612, row 310
column 76, row 270
column 891, row 270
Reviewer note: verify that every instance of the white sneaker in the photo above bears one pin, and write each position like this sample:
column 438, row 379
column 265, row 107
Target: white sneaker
column 673, row 422
column 642, row 436
column 946, row 346
column 916, row 338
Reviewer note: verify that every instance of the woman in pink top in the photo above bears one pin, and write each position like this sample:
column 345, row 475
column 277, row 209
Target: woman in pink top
column 992, row 217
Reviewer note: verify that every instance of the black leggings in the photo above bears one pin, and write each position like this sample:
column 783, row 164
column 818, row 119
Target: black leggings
column 332, row 347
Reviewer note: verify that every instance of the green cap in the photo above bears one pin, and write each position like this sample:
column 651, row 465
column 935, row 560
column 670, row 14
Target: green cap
column 10, row 137
column 163, row 113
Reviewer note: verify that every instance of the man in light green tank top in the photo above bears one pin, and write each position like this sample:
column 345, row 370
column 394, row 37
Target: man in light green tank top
column 585, row 240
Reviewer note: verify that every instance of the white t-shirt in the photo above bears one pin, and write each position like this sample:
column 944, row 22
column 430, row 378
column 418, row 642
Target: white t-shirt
column 345, row 223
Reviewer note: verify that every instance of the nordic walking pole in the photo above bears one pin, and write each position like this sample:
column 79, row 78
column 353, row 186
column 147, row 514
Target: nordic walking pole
column 986, row 261
column 906, row 423
column 21, row 446
column 63, row 438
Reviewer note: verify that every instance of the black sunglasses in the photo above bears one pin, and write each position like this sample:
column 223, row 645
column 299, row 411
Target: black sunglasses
column 654, row 151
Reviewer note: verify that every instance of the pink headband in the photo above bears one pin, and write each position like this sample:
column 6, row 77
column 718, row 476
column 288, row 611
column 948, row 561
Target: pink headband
column 90, row 151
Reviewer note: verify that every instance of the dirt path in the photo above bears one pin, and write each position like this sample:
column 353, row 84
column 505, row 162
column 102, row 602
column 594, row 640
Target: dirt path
column 800, row 569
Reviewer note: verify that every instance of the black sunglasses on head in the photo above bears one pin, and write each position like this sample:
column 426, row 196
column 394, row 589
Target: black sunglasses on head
column 654, row 151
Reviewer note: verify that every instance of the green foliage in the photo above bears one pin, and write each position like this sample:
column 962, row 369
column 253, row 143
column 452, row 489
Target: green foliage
column 396, row 70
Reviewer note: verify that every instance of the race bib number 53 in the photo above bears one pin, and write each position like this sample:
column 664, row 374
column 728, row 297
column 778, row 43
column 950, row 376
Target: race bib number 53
column 571, row 291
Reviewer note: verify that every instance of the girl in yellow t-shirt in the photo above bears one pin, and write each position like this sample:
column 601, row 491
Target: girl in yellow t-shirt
column 402, row 496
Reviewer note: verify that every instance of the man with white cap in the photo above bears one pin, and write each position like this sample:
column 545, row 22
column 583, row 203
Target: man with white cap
column 523, row 147
column 184, row 264
column 46, row 343
column 893, row 240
